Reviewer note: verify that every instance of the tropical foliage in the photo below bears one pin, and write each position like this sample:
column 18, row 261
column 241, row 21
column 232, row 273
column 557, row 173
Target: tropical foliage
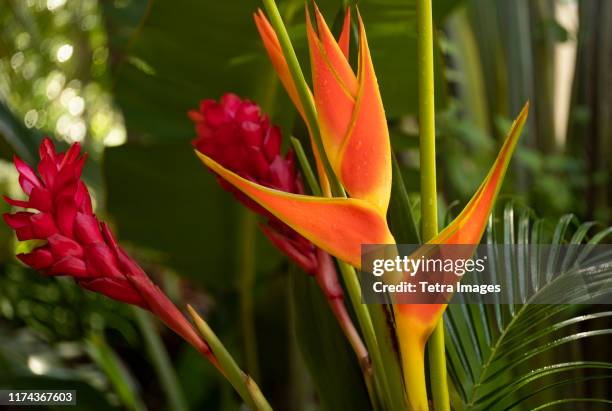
column 257, row 257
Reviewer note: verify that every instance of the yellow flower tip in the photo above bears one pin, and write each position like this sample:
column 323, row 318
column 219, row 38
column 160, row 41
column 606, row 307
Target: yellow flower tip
column 191, row 311
column 469, row 225
column 204, row 159
column 523, row 114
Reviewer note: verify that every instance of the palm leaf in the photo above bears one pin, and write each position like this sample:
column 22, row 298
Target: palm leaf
column 523, row 356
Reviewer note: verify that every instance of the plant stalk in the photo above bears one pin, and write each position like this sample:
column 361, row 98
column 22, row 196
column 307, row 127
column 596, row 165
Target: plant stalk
column 246, row 279
column 242, row 383
column 161, row 361
column 305, row 166
column 429, row 209
column 349, row 276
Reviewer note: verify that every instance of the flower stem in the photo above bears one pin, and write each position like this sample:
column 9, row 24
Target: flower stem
column 246, row 278
column 429, row 210
column 303, row 91
column 306, row 169
column 242, row 383
column 349, row 276
column 161, row 361
column 326, row 277
column 437, row 368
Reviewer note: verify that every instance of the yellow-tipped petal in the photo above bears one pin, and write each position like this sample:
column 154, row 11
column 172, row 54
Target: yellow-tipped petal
column 415, row 322
column 337, row 225
column 365, row 158
column 470, row 224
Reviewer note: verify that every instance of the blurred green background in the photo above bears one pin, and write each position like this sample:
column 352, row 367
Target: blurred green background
column 120, row 75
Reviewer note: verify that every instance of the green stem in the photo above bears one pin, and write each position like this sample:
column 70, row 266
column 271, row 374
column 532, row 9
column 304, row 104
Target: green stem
column 119, row 377
column 349, row 276
column 246, row 279
column 429, row 209
column 437, row 368
column 161, row 361
column 303, row 91
column 305, row 166
column 427, row 131
column 242, row 383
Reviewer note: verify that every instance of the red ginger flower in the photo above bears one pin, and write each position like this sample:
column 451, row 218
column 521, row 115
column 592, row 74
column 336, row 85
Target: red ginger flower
column 236, row 134
column 80, row 246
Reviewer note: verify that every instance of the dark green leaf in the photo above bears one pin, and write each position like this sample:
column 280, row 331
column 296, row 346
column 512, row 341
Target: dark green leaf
column 402, row 221
column 184, row 217
column 329, row 358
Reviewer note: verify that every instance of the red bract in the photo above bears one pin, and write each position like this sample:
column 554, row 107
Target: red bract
column 237, row 135
column 77, row 244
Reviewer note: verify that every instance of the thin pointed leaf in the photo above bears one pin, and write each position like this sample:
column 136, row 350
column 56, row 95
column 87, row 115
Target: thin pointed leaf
column 329, row 360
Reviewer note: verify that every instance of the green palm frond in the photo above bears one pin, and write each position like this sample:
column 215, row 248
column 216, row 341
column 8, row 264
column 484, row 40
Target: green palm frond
column 527, row 356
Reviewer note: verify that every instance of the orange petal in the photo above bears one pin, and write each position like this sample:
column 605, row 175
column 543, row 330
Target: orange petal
column 415, row 322
column 273, row 47
column 337, row 225
column 470, row 224
column 335, row 56
column 334, row 102
column 365, row 158
column 345, row 36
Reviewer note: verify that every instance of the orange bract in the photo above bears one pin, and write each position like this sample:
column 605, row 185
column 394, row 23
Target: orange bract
column 270, row 42
column 349, row 108
column 416, row 322
column 337, row 225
